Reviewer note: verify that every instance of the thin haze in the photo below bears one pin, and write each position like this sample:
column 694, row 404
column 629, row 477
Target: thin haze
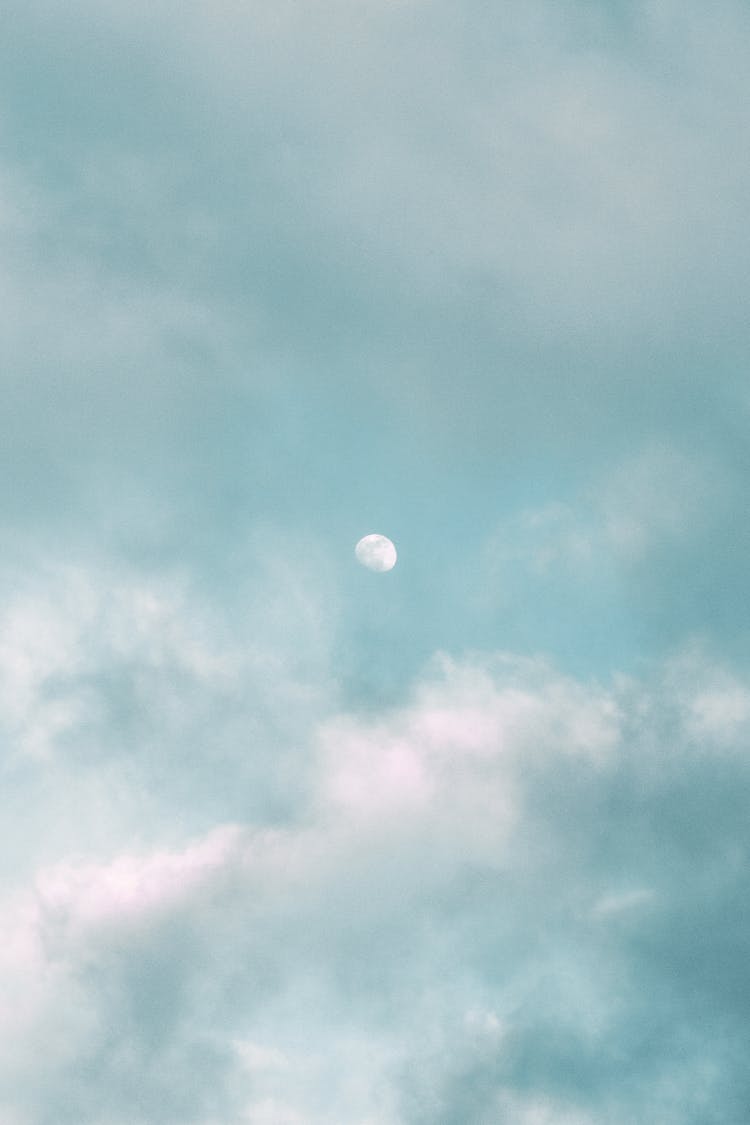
column 286, row 842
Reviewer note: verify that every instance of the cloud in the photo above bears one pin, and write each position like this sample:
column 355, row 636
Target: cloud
column 257, row 274
column 544, row 204
column 130, row 696
column 654, row 501
column 514, row 893
column 637, row 560
column 475, row 279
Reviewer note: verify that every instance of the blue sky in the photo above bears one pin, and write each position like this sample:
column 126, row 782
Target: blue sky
column 286, row 842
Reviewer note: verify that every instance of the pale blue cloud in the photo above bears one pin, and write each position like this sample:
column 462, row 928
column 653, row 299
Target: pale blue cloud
column 273, row 279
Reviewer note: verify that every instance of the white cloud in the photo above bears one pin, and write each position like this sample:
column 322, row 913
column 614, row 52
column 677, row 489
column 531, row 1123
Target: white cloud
column 714, row 699
column 656, row 499
column 619, row 902
column 654, row 502
column 71, row 624
column 454, row 897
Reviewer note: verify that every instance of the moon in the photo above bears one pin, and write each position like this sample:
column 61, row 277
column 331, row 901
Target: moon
column 376, row 552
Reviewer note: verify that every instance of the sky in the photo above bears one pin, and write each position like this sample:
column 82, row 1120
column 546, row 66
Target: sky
column 285, row 841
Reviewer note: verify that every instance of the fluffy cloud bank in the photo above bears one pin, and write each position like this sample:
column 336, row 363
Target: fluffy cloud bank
column 515, row 897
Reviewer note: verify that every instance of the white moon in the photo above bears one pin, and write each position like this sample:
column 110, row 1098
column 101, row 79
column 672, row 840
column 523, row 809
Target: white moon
column 376, row 552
